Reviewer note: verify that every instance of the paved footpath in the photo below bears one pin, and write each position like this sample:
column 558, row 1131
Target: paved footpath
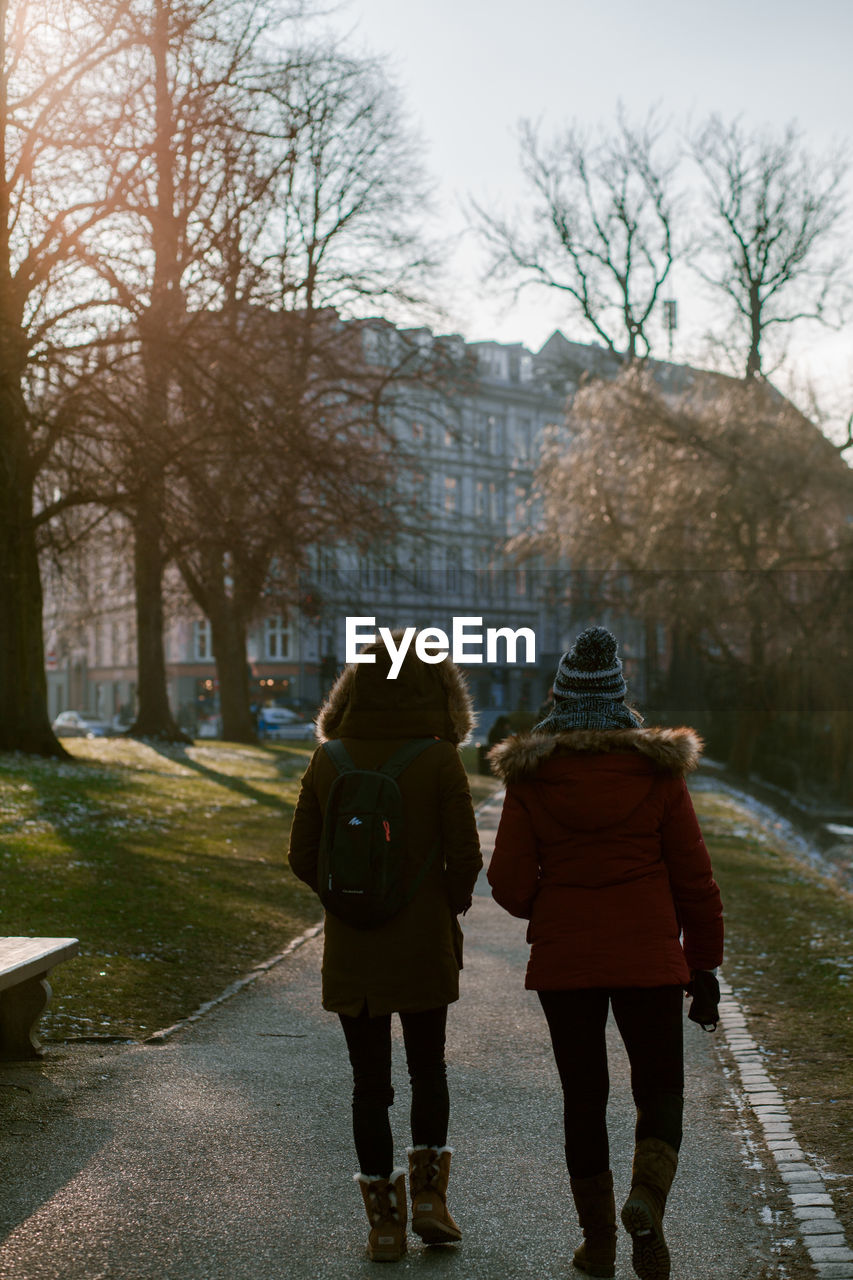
column 225, row 1153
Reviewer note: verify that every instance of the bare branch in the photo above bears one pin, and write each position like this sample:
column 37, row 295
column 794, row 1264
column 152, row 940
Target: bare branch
column 603, row 210
column 774, row 217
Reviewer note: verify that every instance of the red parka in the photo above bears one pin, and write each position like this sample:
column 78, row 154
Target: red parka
column 599, row 848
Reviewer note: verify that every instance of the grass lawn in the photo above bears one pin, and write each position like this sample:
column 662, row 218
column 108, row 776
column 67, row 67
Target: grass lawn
column 789, row 959
column 168, row 863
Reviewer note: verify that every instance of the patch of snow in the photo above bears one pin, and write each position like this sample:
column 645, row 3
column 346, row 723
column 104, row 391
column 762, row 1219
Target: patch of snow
column 770, row 824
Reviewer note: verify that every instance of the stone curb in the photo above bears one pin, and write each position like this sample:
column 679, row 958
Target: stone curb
column 818, row 1227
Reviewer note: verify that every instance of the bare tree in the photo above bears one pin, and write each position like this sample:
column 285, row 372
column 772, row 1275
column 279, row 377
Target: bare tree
column 772, row 244
column 663, row 500
column 56, row 187
column 602, row 226
column 278, row 474
column 299, row 447
column 187, row 85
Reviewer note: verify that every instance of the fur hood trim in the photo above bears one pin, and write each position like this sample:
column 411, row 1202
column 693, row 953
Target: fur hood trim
column 426, row 700
column 674, row 751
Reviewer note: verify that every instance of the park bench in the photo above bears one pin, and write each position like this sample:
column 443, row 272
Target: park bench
column 25, row 991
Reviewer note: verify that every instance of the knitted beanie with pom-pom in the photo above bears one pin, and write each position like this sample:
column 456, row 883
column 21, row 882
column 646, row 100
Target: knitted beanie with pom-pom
column 589, row 688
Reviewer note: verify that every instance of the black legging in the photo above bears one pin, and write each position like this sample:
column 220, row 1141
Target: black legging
column 650, row 1023
column 369, row 1045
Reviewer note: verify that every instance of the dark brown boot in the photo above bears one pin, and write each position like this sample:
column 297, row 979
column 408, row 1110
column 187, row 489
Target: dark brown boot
column 429, row 1172
column 654, row 1168
column 596, row 1208
column 385, row 1204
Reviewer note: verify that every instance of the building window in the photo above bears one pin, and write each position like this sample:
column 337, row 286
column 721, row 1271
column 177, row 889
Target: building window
column 450, row 493
column 125, row 644
column 417, row 483
column 453, row 571
column 100, row 644
column 326, row 566
column 373, row 573
column 520, row 506
column 480, row 498
column 277, row 637
column 371, row 346
column 522, row 439
column 495, row 432
column 484, row 573
column 418, row 431
column 495, row 502
column 202, row 641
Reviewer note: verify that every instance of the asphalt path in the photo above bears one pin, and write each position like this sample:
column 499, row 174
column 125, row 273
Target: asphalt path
column 226, row 1154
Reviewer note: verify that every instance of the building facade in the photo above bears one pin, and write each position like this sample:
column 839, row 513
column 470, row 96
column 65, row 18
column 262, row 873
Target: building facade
column 470, row 453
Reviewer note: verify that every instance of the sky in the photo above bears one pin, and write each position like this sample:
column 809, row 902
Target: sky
column 469, row 70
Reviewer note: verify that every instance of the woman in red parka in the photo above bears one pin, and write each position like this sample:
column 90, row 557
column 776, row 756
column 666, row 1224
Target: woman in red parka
column 599, row 848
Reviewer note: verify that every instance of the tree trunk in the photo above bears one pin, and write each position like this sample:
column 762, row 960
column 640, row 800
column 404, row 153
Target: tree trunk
column 228, row 633
column 753, row 360
column 157, row 329
column 754, row 710
column 154, row 717
column 748, row 726
column 683, row 697
column 24, row 722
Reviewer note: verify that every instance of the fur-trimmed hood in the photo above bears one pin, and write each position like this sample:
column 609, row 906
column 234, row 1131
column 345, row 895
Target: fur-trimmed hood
column 426, row 700
column 673, row 751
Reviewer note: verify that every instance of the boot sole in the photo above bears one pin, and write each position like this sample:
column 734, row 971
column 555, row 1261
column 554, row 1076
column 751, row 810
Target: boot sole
column 649, row 1256
column 386, row 1255
column 432, row 1231
column 600, row 1273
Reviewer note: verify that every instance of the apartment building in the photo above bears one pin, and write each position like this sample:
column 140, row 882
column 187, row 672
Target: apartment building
column 470, row 457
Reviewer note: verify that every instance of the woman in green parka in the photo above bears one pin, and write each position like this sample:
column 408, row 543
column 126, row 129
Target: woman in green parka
column 410, row 964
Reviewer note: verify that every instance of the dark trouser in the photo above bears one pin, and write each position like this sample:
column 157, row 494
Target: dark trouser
column 650, row 1023
column 369, row 1045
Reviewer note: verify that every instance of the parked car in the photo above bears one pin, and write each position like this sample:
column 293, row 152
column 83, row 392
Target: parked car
column 82, row 724
column 280, row 723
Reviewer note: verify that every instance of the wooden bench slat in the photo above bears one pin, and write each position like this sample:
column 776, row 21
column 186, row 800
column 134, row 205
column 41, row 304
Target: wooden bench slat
column 22, row 958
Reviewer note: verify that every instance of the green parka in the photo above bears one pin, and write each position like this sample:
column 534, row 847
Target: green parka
column 412, row 961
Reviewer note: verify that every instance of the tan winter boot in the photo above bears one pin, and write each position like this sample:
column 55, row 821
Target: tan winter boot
column 385, row 1203
column 429, row 1171
column 596, row 1208
column 654, row 1168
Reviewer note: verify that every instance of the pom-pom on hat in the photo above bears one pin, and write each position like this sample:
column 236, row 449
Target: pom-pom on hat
column 591, row 668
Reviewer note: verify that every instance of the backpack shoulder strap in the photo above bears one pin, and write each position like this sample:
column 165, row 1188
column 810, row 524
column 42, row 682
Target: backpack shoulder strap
column 339, row 756
column 405, row 755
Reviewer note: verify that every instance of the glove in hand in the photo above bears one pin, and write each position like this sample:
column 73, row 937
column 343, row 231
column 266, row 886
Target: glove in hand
column 704, row 1007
